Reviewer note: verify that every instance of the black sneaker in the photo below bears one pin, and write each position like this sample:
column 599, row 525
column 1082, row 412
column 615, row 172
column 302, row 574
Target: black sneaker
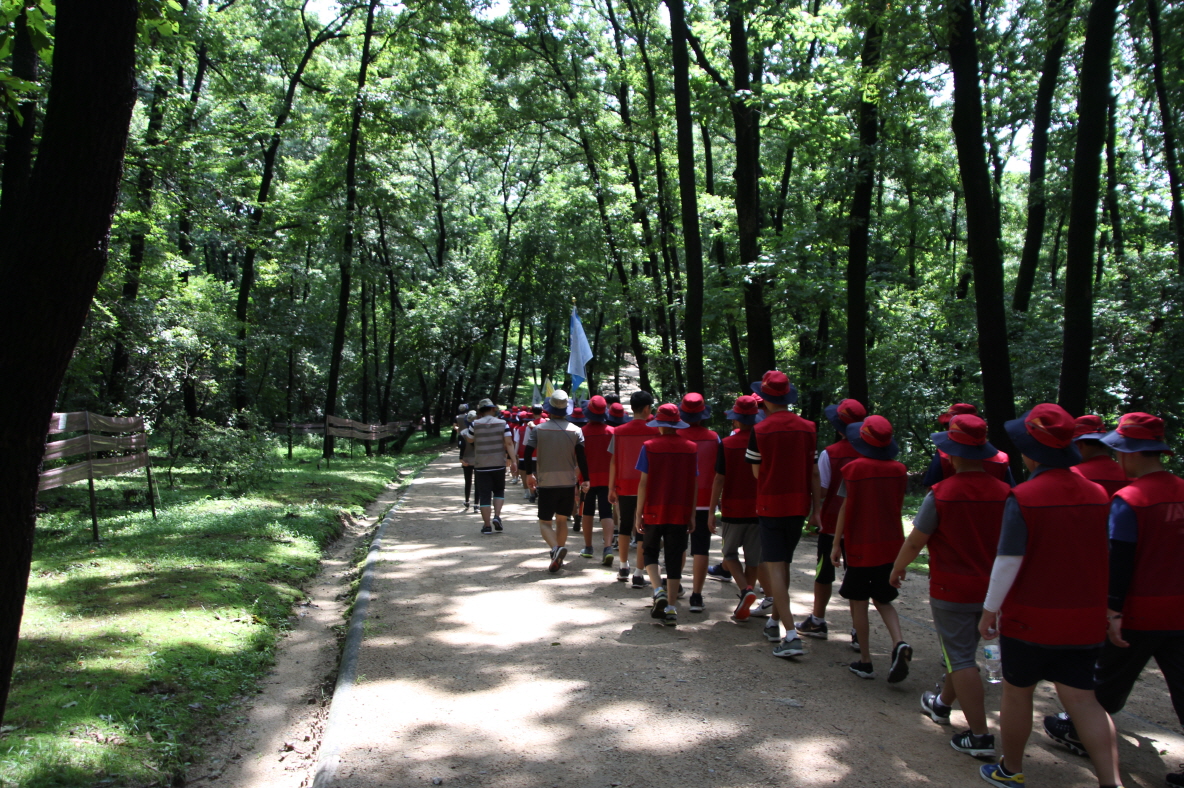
column 696, row 603
column 1175, row 779
column 622, row 574
column 718, row 572
column 557, row 559
column 812, row 627
column 658, row 611
column 497, row 524
column 576, row 527
column 978, row 746
column 606, row 559
column 854, row 641
column 486, row 530
column 639, row 581
column 931, row 704
column 902, row 654
column 1061, row 730
column 862, row 669
column 744, row 609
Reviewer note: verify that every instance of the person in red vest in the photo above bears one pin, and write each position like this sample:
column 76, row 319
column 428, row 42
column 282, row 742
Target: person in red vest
column 781, row 452
column 694, row 411
column 623, row 478
column 1047, row 598
column 666, row 497
column 733, row 492
column 868, row 536
column 959, row 520
column 828, row 475
column 940, row 466
column 1096, row 463
column 1146, row 594
column 616, row 415
column 597, row 436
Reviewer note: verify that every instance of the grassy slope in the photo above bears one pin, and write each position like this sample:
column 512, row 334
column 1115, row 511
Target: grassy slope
column 130, row 648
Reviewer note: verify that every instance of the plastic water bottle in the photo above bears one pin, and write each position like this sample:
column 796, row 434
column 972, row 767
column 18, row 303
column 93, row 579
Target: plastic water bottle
column 991, row 657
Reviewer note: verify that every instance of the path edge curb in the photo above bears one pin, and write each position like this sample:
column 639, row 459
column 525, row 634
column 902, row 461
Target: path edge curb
column 329, row 753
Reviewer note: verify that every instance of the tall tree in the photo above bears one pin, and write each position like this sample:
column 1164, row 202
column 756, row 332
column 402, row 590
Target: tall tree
column 20, row 131
column 1168, row 126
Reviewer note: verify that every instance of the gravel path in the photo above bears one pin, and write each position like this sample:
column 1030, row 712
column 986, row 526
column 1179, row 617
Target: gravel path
column 482, row 669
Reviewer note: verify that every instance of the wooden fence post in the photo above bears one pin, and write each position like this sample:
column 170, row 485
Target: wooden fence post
column 90, row 481
column 148, row 468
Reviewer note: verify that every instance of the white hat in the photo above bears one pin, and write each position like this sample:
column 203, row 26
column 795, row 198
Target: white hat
column 558, row 404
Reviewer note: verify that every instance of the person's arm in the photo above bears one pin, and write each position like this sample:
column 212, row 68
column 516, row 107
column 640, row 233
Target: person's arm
column 582, row 462
column 694, row 493
column 816, row 497
column 638, row 520
column 1124, row 540
column 612, row 472
column 753, row 455
column 924, row 526
column 511, row 452
column 1013, row 543
column 836, row 552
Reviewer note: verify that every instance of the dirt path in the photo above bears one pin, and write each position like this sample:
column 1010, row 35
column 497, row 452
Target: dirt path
column 480, row 668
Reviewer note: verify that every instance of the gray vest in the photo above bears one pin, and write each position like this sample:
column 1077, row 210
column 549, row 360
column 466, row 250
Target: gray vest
column 491, row 451
column 555, row 444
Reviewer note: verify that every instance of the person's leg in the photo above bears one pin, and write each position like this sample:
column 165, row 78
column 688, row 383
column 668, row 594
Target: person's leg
column 651, row 544
column 485, row 495
column 859, row 620
column 967, row 686
column 499, row 493
column 775, row 553
column 627, row 504
column 1169, row 655
column 1015, row 724
column 674, row 538
column 1095, row 729
column 560, row 530
column 1118, row 669
column 586, row 522
column 468, row 469
column 547, row 529
column 891, row 620
column 700, row 547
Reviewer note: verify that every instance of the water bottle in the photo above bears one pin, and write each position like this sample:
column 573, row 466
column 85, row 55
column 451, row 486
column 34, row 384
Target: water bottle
column 991, row 657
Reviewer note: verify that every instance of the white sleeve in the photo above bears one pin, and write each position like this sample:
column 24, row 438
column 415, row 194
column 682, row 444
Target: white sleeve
column 1003, row 575
column 824, row 468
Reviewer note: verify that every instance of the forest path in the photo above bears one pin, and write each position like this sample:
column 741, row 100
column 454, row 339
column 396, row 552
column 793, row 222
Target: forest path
column 479, row 668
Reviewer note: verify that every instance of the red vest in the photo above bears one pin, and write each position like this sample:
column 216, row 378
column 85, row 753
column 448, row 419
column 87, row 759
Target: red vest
column 839, row 454
column 786, row 443
column 996, row 466
column 521, row 430
column 873, row 534
column 1155, row 600
column 738, row 501
column 597, row 435
column 673, row 461
column 707, row 447
column 1059, row 596
column 1102, row 470
column 962, row 551
column 627, row 442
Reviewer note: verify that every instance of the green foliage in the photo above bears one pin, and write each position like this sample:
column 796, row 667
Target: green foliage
column 240, row 457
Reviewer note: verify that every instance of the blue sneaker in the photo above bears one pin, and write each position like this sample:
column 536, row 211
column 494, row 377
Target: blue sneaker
column 993, row 773
column 717, row 572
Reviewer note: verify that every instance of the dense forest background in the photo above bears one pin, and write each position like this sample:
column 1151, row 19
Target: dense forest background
column 377, row 210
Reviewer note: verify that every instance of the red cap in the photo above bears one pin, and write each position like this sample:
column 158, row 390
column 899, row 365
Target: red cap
column 1051, row 425
column 667, row 413
column 957, row 409
column 616, row 411
column 1089, row 425
column 693, row 403
column 851, row 411
column 876, row 431
column 968, row 430
column 1141, row 426
column 746, row 405
column 598, row 405
column 775, row 383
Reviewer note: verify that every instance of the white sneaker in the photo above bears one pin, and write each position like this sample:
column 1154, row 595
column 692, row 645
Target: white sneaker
column 763, row 608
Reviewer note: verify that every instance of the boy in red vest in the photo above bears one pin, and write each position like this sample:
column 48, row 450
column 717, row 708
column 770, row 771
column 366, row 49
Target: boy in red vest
column 623, row 478
column 1096, row 463
column 781, row 452
column 828, row 475
column 1047, row 598
column 734, row 493
column 694, row 411
column 940, row 467
column 597, row 436
column 868, row 536
column 1146, row 593
column 666, row 496
column 960, row 520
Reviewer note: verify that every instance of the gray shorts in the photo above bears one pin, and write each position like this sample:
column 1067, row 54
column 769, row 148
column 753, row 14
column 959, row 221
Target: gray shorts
column 957, row 632
column 742, row 534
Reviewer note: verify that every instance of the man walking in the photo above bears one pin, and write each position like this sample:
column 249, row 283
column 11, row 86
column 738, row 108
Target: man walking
column 492, row 444
column 559, row 445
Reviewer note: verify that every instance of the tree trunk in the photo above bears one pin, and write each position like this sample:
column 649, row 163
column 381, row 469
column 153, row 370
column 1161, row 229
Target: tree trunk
column 1060, row 12
column 982, row 230
column 1167, row 121
column 347, row 254
column 1112, row 208
column 719, row 252
column 363, row 296
column 496, row 388
column 517, row 376
column 52, row 267
column 1073, row 392
column 861, row 211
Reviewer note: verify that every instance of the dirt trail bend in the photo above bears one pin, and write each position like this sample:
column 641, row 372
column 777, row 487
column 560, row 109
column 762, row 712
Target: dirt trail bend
column 480, row 668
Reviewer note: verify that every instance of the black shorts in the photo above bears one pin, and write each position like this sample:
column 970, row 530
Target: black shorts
column 824, row 573
column 671, row 537
column 596, row 500
column 490, row 484
column 556, row 501
column 779, row 538
column 861, row 583
column 700, row 537
column 1025, row 663
column 627, row 506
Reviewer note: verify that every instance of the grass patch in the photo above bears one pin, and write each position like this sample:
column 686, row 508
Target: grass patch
column 130, row 649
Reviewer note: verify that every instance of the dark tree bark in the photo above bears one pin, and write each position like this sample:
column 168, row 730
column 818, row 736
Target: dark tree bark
column 1167, row 122
column 363, row 297
column 692, row 240
column 18, row 140
column 496, row 388
column 719, row 252
column 861, row 210
column 982, row 229
column 52, row 267
column 1112, row 208
column 1060, row 12
column 1073, row 392
column 516, row 378
column 347, row 252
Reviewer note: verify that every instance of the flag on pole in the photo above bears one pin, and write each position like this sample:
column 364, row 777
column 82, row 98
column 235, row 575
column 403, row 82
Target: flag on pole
column 581, row 352
column 548, row 389
column 535, row 397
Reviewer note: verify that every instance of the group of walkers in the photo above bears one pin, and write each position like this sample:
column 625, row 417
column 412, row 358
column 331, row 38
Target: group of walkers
column 1076, row 570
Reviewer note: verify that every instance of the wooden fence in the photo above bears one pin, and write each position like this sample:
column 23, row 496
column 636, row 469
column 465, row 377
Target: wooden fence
column 108, row 434
column 346, row 428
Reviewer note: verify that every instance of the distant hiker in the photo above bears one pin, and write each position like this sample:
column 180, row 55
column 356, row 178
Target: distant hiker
column 1047, row 598
column 1096, row 463
column 577, row 418
column 828, row 475
column 623, row 477
column 597, row 436
column 781, row 451
column 459, row 422
column 554, row 453
column 492, row 444
column 1145, row 608
column 868, row 537
column 694, row 412
column 666, row 496
column 959, row 520
column 467, row 454
column 734, row 493
column 940, row 467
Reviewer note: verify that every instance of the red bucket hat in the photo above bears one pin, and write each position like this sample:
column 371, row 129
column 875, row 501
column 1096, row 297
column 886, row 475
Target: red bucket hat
column 966, row 437
column 693, row 408
column 744, row 410
column 668, row 416
column 846, row 412
column 1045, row 433
column 775, row 386
column 616, row 414
column 957, row 409
column 872, row 437
column 1138, row 432
column 1089, row 428
column 596, row 408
